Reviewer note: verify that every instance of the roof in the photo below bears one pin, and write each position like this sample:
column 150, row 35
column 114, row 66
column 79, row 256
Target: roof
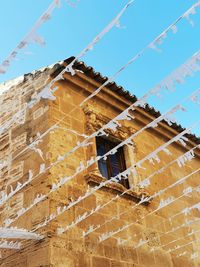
column 89, row 71
column 98, row 77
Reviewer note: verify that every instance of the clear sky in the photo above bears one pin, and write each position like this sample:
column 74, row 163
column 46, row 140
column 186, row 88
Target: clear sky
column 71, row 29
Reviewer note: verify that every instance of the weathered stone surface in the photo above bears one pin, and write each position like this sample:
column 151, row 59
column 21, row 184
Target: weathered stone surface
column 162, row 259
column 100, row 261
column 146, row 258
column 71, row 249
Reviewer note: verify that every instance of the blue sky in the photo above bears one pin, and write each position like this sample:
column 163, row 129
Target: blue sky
column 71, row 29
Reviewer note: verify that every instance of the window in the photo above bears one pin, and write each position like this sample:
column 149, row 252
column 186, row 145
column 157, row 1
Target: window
column 114, row 164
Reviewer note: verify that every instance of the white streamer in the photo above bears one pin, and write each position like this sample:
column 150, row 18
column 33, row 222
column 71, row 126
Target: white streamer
column 31, row 36
column 14, row 232
column 10, row 245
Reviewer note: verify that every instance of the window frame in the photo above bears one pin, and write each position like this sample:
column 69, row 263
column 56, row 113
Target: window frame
column 108, row 145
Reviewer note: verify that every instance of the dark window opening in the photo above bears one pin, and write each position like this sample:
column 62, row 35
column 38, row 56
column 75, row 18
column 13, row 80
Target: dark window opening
column 113, row 164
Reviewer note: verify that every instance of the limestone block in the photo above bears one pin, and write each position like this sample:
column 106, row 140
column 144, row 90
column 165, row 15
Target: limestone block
column 60, row 257
column 39, row 257
column 116, row 263
column 82, row 260
column 93, row 248
column 39, row 112
column 181, row 261
column 146, row 257
column 128, row 254
column 19, row 142
column 162, row 259
column 16, row 172
column 152, row 238
column 100, row 261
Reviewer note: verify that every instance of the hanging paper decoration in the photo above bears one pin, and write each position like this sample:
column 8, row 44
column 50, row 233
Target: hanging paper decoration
column 190, row 12
column 45, row 17
column 118, row 25
column 155, row 195
column 5, row 197
column 70, row 69
column 162, row 204
column 79, row 219
column 153, row 157
column 144, row 183
column 144, row 199
column 165, row 202
column 173, row 27
column 194, row 255
column 10, row 245
column 112, row 125
column 195, row 97
column 179, row 75
column 46, row 93
column 142, row 102
column 188, row 156
column 14, row 232
column 186, row 211
column 91, row 229
column 182, row 140
column 141, row 243
column 2, row 69
column 124, row 115
column 16, row 118
column 36, row 38
column 158, row 41
column 187, row 191
column 116, row 179
column 57, row 3
column 178, row 247
column 70, row 3
column 32, row 36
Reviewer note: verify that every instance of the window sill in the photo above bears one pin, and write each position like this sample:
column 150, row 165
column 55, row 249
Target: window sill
column 116, row 188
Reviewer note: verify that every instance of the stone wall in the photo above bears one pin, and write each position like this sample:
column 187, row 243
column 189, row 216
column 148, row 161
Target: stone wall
column 19, row 160
column 71, row 249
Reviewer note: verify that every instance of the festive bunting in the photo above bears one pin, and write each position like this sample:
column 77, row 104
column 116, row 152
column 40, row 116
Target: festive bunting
column 153, row 155
column 10, row 245
column 186, row 69
column 173, row 26
column 153, row 158
column 107, row 235
column 32, row 36
column 157, row 194
column 118, row 178
column 14, row 232
column 178, row 247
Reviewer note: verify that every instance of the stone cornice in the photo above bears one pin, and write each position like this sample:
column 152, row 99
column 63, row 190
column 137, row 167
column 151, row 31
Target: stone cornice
column 88, row 85
column 114, row 187
column 95, row 121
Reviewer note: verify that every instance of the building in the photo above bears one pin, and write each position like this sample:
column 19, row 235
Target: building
column 48, row 178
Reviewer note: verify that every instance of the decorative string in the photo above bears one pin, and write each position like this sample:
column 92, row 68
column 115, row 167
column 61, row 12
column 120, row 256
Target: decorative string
column 163, row 204
column 46, row 93
column 54, row 187
column 143, row 184
column 14, row 232
column 143, row 200
column 110, row 125
column 10, row 244
column 31, row 37
column 117, row 178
